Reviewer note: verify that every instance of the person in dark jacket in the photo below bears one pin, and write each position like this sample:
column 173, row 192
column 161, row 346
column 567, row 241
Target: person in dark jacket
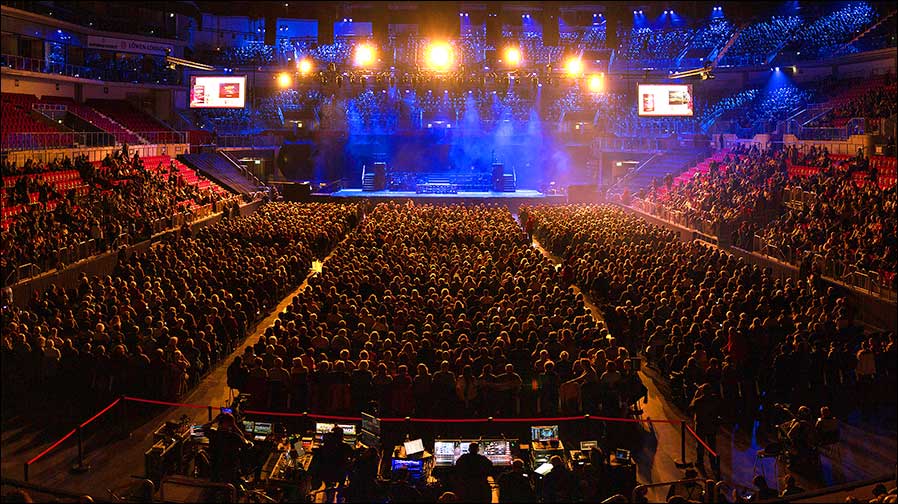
column 472, row 470
column 558, row 485
column 515, row 485
column 705, row 407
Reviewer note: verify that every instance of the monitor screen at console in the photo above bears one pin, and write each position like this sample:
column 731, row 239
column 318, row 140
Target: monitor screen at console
column 498, row 451
column 447, row 451
column 543, row 432
column 665, row 100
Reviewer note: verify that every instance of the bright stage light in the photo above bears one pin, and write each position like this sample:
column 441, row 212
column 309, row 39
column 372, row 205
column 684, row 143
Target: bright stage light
column 439, row 56
column 284, row 80
column 513, row 56
column 364, row 55
column 596, row 83
column 305, row 66
column 574, row 67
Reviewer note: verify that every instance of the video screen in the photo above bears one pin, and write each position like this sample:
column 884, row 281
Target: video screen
column 414, row 467
column 324, row 428
column 371, row 424
column 446, row 452
column 262, row 428
column 218, row 91
column 544, row 432
column 665, row 100
column 498, row 451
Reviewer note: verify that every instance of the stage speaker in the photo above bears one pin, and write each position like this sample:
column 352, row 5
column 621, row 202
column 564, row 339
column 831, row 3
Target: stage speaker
column 493, row 28
column 295, row 191
column 550, row 26
column 380, row 26
column 325, row 30
column 297, row 161
column 611, row 17
column 271, row 29
column 583, row 193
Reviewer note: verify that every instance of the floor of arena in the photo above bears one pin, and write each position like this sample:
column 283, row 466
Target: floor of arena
column 865, row 450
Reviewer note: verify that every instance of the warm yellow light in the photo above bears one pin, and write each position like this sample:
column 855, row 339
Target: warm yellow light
column 364, row 55
column 305, row 66
column 284, row 80
column 439, row 56
column 513, row 56
column 596, row 83
column 574, row 67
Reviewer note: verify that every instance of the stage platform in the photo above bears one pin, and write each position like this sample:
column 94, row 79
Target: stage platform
column 513, row 198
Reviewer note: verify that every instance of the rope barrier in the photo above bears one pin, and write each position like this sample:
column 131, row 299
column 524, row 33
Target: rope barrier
column 52, row 446
column 104, row 410
column 319, row 416
column 702, row 441
column 163, row 403
column 531, row 420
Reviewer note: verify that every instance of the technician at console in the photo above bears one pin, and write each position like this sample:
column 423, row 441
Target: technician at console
column 226, row 444
column 471, row 471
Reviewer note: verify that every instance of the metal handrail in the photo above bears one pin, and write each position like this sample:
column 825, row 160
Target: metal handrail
column 104, row 74
column 70, row 139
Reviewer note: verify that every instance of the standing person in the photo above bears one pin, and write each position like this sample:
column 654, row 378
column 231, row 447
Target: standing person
column 334, row 460
column 864, row 372
column 443, row 389
column 472, row 470
column 466, row 389
column 705, row 407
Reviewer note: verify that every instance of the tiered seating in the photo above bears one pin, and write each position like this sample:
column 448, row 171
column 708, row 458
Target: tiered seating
column 17, row 119
column 887, row 170
column 92, row 116
column 702, row 167
column 885, row 167
column 132, row 119
column 869, row 98
column 190, row 176
column 61, row 181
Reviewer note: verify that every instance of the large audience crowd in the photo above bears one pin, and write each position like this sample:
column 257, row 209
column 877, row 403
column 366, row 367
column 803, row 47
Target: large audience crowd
column 703, row 316
column 845, row 221
column 450, row 311
column 120, row 197
column 830, row 32
column 166, row 314
column 743, row 186
column 758, row 41
column 438, row 311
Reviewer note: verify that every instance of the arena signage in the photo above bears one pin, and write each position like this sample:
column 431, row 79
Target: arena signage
column 125, row 45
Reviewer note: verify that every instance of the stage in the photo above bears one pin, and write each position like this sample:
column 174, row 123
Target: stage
column 521, row 196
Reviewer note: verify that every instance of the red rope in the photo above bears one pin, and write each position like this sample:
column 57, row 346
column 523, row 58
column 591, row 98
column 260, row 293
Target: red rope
column 164, row 403
column 425, row 420
column 104, row 410
column 702, row 441
column 52, row 446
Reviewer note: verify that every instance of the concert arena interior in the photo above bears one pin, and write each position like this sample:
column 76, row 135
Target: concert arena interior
column 485, row 251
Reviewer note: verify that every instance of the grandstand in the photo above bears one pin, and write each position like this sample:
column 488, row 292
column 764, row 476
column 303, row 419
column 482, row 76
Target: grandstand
column 449, row 252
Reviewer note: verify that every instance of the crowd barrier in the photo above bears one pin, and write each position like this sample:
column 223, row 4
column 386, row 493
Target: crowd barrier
column 78, row 431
